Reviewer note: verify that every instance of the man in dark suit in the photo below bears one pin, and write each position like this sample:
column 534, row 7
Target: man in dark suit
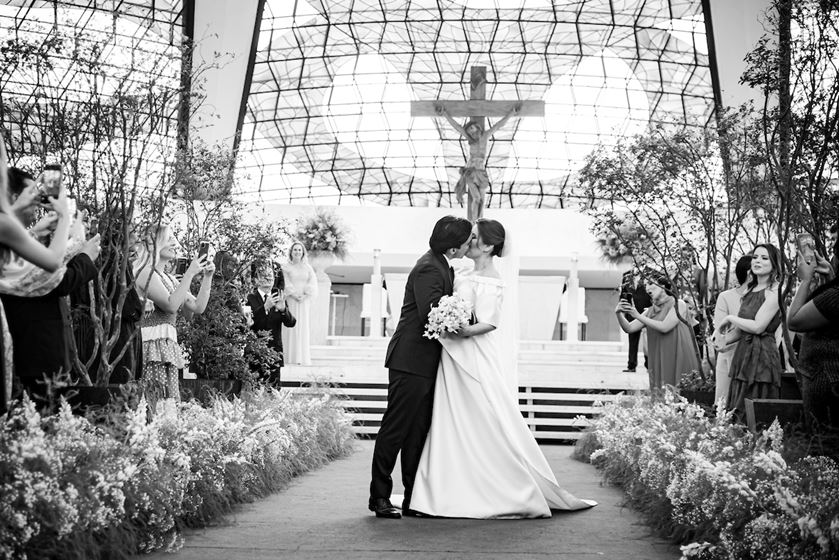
column 634, row 286
column 269, row 313
column 412, row 362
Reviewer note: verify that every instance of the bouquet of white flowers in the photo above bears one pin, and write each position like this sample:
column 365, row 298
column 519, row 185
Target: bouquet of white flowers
column 450, row 314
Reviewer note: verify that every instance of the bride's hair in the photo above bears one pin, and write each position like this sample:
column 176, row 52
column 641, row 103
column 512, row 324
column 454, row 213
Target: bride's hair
column 492, row 233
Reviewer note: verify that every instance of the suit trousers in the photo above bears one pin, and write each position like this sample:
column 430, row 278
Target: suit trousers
column 634, row 339
column 404, row 428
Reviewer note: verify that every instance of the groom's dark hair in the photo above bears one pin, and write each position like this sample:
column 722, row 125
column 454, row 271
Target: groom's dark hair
column 449, row 231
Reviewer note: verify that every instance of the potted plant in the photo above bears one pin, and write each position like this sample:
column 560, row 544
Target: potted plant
column 698, row 388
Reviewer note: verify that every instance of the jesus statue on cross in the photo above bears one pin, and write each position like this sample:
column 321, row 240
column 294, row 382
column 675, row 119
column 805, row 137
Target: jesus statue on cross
column 474, row 180
column 473, row 177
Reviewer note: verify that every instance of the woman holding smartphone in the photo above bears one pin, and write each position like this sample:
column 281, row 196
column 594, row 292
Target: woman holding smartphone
column 814, row 313
column 16, row 242
column 162, row 356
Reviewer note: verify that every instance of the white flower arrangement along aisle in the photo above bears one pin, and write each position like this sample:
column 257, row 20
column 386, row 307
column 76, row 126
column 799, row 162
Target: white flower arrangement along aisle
column 713, row 486
column 73, row 489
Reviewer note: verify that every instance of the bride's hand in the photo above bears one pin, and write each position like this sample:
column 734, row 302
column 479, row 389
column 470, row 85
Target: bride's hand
column 463, row 332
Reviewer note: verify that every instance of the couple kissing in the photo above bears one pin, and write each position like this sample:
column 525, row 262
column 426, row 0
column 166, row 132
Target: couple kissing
column 466, row 451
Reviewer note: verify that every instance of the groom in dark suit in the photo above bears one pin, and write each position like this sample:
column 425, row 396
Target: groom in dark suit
column 412, row 362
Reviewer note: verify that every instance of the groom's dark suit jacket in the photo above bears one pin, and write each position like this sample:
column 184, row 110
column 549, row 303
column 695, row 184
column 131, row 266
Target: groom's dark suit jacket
column 409, row 351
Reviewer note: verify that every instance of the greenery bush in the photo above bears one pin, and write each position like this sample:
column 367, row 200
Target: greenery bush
column 713, row 486
column 129, row 483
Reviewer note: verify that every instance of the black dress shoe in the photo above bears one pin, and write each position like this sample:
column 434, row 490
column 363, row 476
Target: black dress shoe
column 629, row 370
column 383, row 508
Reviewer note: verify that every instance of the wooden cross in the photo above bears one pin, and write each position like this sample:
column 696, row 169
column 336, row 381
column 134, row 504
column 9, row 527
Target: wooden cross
column 478, row 107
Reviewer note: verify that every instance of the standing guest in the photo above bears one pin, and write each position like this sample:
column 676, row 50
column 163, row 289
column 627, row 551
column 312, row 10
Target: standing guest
column 641, row 300
column 728, row 303
column 815, row 314
column 162, row 356
column 669, row 345
column 756, row 365
column 270, row 313
column 33, row 300
column 301, row 286
column 17, row 247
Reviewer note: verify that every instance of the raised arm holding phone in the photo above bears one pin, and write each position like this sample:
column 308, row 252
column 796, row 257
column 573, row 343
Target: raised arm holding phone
column 814, row 315
column 162, row 356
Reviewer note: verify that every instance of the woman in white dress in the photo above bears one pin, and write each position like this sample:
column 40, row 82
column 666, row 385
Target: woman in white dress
column 480, row 459
column 300, row 286
column 728, row 303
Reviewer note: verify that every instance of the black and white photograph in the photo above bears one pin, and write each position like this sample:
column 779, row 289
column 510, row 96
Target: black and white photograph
column 427, row 279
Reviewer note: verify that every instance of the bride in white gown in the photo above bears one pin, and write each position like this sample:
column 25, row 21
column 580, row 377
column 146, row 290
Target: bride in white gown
column 480, row 459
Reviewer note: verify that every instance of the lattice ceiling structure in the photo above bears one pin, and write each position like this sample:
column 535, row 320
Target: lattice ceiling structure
column 64, row 56
column 327, row 117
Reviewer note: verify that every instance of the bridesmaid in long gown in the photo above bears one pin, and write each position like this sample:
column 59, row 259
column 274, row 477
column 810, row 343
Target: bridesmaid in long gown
column 756, row 364
column 480, row 459
column 300, row 286
column 670, row 347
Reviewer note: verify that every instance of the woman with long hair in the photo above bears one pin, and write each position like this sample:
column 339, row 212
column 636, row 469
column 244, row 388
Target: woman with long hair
column 756, row 365
column 162, row 357
column 670, row 350
column 301, row 286
column 17, row 244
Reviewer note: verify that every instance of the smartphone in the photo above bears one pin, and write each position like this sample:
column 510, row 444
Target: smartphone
column 181, row 264
column 51, row 180
column 203, row 248
column 806, row 245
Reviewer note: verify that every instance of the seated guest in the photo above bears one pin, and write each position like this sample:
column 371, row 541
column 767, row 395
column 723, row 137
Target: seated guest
column 269, row 312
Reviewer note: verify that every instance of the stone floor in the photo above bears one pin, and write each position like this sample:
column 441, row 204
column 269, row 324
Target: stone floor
column 324, row 515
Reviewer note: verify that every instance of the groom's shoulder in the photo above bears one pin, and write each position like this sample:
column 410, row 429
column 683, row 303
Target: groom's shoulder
column 426, row 258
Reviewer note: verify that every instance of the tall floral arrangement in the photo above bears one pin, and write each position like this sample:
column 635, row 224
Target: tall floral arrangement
column 324, row 232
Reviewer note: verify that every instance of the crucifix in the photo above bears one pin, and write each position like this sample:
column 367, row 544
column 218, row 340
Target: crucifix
column 473, row 177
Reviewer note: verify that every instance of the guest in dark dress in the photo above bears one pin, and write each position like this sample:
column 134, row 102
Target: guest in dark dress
column 815, row 314
column 756, row 365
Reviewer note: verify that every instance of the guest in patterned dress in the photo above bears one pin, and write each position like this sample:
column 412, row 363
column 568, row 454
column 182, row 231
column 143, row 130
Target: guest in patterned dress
column 756, row 365
column 162, row 357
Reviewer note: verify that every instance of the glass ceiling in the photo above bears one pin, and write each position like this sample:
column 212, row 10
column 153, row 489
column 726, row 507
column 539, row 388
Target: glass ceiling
column 328, row 113
column 59, row 57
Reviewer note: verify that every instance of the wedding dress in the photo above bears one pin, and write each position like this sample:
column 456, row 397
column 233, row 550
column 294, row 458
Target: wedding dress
column 480, row 459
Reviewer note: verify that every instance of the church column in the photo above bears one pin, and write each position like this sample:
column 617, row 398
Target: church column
column 573, row 325
column 376, row 296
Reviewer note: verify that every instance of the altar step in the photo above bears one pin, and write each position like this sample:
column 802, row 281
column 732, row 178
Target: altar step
column 560, row 383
